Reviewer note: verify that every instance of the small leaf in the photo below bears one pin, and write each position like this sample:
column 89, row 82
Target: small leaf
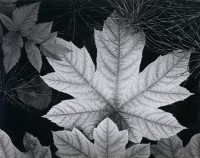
column 168, row 148
column 73, row 144
column 7, row 149
column 9, row 24
column 138, row 151
column 54, row 50
column 109, row 142
column 35, row 93
column 33, row 54
column 25, row 17
column 12, row 44
column 34, row 149
column 193, row 147
column 40, row 32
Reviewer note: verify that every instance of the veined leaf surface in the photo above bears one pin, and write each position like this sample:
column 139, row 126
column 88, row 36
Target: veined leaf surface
column 173, row 148
column 192, row 149
column 32, row 147
column 7, row 149
column 168, row 148
column 9, row 24
column 109, row 142
column 117, row 89
column 25, row 17
column 12, row 44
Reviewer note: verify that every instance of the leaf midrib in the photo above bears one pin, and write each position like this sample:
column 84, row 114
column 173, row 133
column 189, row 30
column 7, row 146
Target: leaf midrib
column 98, row 93
column 150, row 86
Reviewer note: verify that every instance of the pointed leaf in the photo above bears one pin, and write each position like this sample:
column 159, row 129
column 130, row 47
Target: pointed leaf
column 75, row 75
column 40, row 32
column 109, row 142
column 119, row 56
column 7, row 149
column 33, row 54
column 76, row 113
column 34, row 148
column 12, row 44
column 52, row 38
column 193, row 147
column 8, row 23
column 168, row 148
column 25, row 17
column 142, row 121
column 138, row 151
column 158, row 84
column 54, row 50
column 73, row 144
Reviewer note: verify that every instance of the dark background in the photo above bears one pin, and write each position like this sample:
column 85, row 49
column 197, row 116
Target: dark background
column 75, row 21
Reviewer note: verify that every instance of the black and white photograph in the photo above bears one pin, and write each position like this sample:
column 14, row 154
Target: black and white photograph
column 99, row 78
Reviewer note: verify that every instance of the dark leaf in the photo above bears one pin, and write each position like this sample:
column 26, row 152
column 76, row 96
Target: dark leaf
column 40, row 32
column 9, row 24
column 25, row 17
column 35, row 93
column 33, row 54
column 12, row 44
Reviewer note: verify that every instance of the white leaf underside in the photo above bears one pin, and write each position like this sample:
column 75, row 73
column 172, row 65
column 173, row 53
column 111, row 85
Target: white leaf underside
column 73, row 145
column 109, row 142
column 7, row 149
column 117, row 86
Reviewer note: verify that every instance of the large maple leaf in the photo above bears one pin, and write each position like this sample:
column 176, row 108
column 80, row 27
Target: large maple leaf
column 117, row 89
